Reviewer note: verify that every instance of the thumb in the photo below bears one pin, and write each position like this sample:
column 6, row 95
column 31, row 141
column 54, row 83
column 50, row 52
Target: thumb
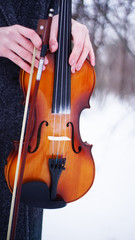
column 53, row 44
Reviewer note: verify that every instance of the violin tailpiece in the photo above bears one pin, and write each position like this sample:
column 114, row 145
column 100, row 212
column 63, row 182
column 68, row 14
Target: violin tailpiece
column 55, row 166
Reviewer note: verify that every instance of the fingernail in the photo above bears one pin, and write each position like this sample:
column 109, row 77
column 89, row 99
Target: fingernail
column 43, row 68
column 72, row 62
column 73, row 69
column 93, row 63
column 46, row 61
column 78, row 67
column 52, row 48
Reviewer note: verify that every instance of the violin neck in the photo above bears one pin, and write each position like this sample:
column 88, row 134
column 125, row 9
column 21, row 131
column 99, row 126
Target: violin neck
column 62, row 77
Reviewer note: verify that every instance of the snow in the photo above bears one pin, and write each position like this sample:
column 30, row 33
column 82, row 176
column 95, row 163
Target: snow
column 107, row 211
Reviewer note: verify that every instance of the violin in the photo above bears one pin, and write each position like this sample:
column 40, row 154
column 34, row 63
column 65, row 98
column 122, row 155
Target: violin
column 59, row 166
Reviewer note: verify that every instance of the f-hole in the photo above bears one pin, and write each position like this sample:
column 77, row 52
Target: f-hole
column 38, row 137
column 73, row 146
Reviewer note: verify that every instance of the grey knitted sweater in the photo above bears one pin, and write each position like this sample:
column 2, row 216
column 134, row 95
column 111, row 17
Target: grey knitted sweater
column 26, row 13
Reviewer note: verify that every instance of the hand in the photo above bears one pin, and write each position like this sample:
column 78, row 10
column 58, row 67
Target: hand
column 17, row 44
column 82, row 44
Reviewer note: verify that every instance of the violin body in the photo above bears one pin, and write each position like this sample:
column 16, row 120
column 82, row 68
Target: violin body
column 58, row 136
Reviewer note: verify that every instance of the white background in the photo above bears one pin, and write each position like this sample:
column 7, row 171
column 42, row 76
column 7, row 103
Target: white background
column 107, row 211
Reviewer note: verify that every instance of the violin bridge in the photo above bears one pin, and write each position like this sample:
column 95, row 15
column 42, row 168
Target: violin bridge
column 62, row 138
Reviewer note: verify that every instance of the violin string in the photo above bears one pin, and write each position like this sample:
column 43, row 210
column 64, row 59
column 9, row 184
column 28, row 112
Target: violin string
column 20, row 147
column 63, row 69
column 58, row 66
column 69, row 9
column 57, row 73
column 68, row 74
column 66, row 69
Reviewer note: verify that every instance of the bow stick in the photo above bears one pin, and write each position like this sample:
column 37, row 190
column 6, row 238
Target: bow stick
column 44, row 31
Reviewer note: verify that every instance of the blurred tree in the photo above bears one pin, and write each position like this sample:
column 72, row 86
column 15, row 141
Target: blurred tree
column 112, row 31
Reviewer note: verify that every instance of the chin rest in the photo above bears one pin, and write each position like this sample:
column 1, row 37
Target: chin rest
column 37, row 194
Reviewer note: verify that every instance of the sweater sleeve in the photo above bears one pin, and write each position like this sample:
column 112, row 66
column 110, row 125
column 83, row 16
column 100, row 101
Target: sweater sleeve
column 55, row 6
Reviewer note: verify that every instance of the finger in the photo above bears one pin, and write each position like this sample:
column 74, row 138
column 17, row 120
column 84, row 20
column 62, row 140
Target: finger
column 82, row 47
column 53, row 44
column 79, row 34
column 87, row 50
column 19, row 61
column 46, row 61
column 30, row 34
column 23, row 53
column 76, row 51
column 24, row 48
column 92, row 55
column 73, row 68
column 27, row 44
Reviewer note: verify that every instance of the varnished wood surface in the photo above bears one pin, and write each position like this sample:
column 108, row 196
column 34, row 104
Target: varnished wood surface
column 79, row 172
